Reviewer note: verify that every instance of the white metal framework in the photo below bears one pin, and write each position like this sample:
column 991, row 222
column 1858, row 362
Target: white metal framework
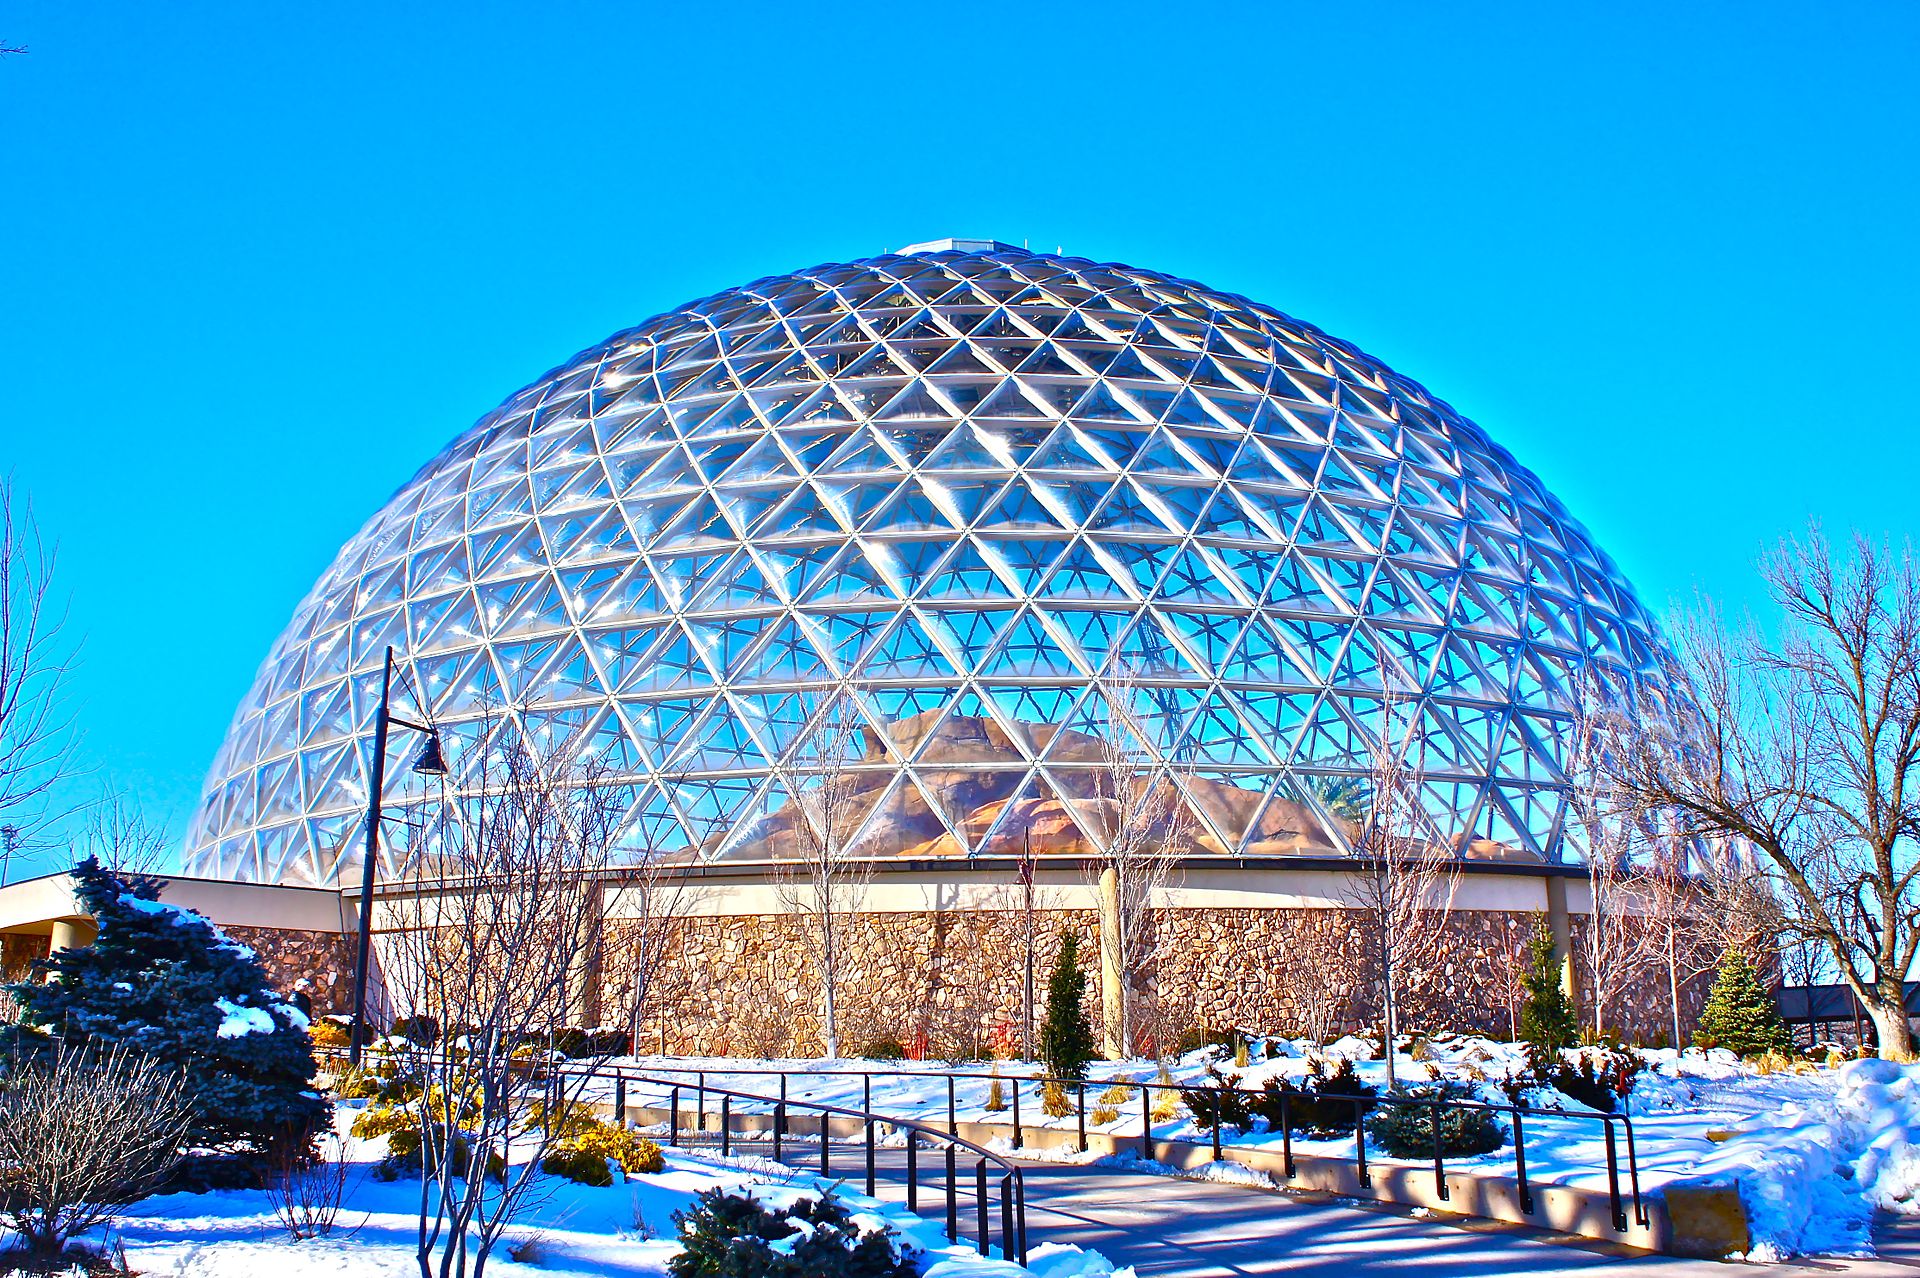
column 970, row 489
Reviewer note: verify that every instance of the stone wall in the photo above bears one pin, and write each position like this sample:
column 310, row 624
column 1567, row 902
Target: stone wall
column 324, row 958
column 949, row 983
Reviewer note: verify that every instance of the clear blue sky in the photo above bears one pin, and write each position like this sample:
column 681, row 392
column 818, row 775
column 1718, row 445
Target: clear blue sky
column 259, row 261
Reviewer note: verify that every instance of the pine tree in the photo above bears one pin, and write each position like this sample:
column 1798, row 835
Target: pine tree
column 165, row 981
column 1547, row 1022
column 1741, row 1014
column 1066, row 1036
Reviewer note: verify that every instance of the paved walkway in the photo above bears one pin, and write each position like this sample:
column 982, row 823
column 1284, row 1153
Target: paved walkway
column 1166, row 1227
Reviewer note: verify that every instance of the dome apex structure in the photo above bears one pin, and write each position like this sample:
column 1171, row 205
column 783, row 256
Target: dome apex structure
column 989, row 502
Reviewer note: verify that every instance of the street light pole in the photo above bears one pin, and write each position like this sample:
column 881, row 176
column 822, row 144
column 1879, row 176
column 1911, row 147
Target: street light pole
column 429, row 763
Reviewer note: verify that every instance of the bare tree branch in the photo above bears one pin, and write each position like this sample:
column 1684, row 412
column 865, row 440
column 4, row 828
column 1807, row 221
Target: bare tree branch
column 826, row 882
column 1803, row 748
column 37, row 740
column 1140, row 821
column 1405, row 883
column 496, row 944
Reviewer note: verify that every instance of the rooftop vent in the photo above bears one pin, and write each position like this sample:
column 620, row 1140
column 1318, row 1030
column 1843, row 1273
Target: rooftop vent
column 954, row 246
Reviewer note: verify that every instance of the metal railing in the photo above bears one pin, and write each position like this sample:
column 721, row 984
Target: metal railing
column 1009, row 1184
column 1623, row 1181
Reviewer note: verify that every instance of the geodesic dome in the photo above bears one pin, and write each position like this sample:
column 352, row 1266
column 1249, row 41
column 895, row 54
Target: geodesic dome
column 978, row 499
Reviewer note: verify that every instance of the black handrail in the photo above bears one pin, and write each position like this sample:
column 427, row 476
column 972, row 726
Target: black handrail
column 1011, row 1184
column 1012, row 1181
column 1617, row 1195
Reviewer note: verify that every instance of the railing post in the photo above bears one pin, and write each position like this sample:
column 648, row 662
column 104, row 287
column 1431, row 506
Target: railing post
column 1613, row 1178
column 870, row 1154
column 779, row 1128
column 620, row 1099
column 953, row 1198
column 953, row 1121
column 1520, row 1161
column 726, row 1126
column 1083, row 1118
column 1020, row 1192
column 981, row 1215
column 913, row 1170
column 826, row 1143
column 1360, row 1141
column 1018, row 1140
column 1286, row 1132
column 1007, row 1234
column 1439, row 1168
column 1146, row 1125
column 700, row 1110
column 673, row 1115
column 1217, row 1107
column 1633, row 1170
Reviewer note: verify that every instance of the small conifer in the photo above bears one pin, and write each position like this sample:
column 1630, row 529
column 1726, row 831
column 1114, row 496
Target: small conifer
column 1741, row 1014
column 1066, row 1036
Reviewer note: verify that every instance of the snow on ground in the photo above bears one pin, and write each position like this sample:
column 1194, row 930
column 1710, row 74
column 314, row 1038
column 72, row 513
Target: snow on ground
column 622, row 1231
column 1814, row 1152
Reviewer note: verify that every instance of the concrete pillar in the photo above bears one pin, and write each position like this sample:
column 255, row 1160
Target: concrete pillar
column 1112, row 990
column 71, row 934
column 1560, row 923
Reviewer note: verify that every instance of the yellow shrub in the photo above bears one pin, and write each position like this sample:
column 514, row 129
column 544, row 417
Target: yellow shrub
column 1054, row 1102
column 584, row 1153
column 996, row 1098
column 328, row 1034
column 1104, row 1114
column 376, row 1121
column 1118, row 1094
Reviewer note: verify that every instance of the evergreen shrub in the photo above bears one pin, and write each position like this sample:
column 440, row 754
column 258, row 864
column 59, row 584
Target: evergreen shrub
column 1741, row 1014
column 730, row 1234
column 1406, row 1131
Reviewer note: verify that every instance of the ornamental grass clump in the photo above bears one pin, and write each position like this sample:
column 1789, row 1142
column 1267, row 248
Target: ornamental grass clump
column 1053, row 1100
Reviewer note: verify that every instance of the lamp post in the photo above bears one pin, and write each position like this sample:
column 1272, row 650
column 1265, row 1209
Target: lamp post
column 430, row 762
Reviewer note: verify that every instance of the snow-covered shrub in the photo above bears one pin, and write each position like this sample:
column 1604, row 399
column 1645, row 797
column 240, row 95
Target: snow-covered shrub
column 735, row 1235
column 1220, row 1102
column 84, row 1132
column 1406, row 1131
column 1599, row 1077
column 1325, row 1107
column 167, row 983
column 588, row 1147
column 590, row 1155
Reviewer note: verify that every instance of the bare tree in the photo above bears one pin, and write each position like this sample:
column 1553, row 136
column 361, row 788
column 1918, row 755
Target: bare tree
column 1404, row 884
column 1612, row 949
column 1803, row 748
column 492, row 948
column 118, row 834
column 37, row 741
column 84, row 1132
column 825, row 882
column 1141, row 820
